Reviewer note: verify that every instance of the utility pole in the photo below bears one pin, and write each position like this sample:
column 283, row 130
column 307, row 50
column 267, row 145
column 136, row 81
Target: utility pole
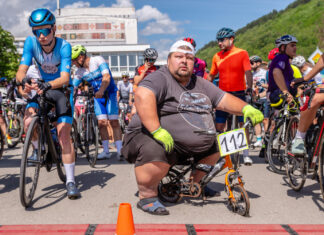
column 58, row 7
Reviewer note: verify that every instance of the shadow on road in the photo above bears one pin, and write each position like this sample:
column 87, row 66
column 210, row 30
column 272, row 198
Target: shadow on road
column 9, row 182
column 307, row 191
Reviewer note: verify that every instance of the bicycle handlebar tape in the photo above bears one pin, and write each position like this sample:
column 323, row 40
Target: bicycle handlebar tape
column 125, row 222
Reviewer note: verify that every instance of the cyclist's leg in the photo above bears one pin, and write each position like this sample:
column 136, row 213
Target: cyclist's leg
column 112, row 110
column 102, row 118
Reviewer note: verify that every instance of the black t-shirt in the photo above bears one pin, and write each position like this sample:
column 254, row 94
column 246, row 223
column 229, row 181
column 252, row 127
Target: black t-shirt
column 183, row 109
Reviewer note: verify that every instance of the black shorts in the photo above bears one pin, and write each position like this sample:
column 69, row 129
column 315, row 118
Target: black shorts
column 140, row 148
column 57, row 99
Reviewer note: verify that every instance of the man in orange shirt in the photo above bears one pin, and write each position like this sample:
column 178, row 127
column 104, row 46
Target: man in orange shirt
column 233, row 65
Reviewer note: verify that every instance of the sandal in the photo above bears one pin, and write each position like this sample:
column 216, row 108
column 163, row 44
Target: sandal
column 153, row 206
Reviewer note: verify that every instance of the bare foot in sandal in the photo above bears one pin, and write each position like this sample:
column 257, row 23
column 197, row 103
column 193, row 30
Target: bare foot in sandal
column 153, row 206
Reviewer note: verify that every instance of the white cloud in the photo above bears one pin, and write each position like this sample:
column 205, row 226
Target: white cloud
column 163, row 47
column 14, row 15
column 123, row 3
column 159, row 23
column 79, row 4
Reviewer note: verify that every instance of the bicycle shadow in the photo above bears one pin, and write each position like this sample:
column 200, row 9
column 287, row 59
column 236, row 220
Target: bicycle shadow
column 9, row 182
column 85, row 181
column 307, row 191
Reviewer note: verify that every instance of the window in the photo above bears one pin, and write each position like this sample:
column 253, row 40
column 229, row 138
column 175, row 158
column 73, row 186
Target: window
column 123, row 62
column 132, row 62
column 113, row 63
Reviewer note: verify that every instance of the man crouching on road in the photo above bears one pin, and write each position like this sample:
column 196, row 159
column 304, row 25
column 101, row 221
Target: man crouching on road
column 171, row 104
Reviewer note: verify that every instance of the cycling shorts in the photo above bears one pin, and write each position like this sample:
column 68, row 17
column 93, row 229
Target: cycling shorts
column 140, row 148
column 221, row 116
column 107, row 108
column 63, row 106
column 266, row 107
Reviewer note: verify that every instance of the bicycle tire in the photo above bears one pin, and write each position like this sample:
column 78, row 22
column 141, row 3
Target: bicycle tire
column 75, row 137
column 296, row 166
column 15, row 132
column 26, row 196
column 95, row 141
column 59, row 165
column 81, row 130
column 169, row 191
column 321, row 165
column 241, row 202
column 1, row 143
column 275, row 155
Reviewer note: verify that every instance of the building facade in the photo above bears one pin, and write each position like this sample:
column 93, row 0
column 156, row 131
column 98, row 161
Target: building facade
column 108, row 32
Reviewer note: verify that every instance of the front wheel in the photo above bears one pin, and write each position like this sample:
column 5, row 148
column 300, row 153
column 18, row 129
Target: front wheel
column 30, row 164
column 321, row 166
column 15, row 129
column 168, row 190
column 240, row 202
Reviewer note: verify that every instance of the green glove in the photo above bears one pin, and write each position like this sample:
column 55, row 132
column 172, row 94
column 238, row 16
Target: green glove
column 164, row 137
column 253, row 114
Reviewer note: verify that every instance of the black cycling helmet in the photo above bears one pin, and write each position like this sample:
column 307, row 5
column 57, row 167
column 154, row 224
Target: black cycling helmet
column 150, row 53
column 193, row 43
column 225, row 33
column 255, row 58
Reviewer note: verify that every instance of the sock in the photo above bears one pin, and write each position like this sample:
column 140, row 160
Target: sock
column 119, row 144
column 105, row 145
column 35, row 144
column 69, row 171
column 259, row 138
column 245, row 152
column 300, row 135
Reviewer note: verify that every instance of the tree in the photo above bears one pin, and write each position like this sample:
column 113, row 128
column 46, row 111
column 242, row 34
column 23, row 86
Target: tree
column 9, row 57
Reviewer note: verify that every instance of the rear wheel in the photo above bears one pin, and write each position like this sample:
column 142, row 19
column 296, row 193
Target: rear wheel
column 81, row 130
column 276, row 151
column 321, row 166
column 296, row 166
column 29, row 168
column 15, row 130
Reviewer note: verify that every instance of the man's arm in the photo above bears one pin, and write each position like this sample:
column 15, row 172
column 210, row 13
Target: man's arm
column 249, row 78
column 61, row 81
column 211, row 77
column 146, row 107
column 139, row 77
column 105, row 82
column 231, row 104
column 20, row 75
column 317, row 68
column 280, row 80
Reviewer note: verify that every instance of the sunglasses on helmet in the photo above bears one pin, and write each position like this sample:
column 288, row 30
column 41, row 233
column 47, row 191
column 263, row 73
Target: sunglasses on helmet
column 45, row 32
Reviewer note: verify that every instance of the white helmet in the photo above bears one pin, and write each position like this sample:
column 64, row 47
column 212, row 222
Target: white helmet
column 284, row 40
column 298, row 61
column 125, row 74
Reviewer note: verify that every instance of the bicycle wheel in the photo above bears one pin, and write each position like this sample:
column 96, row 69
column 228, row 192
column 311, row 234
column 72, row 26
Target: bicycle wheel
column 121, row 120
column 168, row 190
column 75, row 136
column 240, row 202
column 321, row 165
column 95, row 141
column 81, row 129
column 1, row 143
column 15, row 129
column 29, row 169
column 276, row 151
column 296, row 166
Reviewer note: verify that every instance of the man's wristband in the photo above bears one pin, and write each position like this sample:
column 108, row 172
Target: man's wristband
column 153, row 132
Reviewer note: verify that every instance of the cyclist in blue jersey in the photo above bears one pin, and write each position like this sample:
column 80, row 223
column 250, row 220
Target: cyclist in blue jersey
column 96, row 72
column 53, row 58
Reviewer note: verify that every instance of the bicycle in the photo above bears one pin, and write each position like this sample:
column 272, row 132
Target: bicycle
column 297, row 166
column 175, row 185
column 87, row 126
column 14, row 120
column 123, row 118
column 49, row 152
column 277, row 145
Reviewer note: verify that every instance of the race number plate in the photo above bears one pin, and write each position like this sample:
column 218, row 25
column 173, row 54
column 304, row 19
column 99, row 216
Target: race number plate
column 232, row 141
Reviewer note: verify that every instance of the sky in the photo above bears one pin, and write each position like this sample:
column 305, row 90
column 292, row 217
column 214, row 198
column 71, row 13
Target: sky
column 160, row 22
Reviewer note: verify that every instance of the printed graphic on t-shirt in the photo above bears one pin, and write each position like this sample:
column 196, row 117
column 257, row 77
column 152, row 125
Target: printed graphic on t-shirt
column 195, row 110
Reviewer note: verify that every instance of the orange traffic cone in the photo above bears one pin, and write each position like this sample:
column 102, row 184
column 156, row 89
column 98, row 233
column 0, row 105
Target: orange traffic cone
column 125, row 222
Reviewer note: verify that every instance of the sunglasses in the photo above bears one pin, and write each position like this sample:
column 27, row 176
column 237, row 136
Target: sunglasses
column 221, row 39
column 45, row 32
column 150, row 60
column 125, row 77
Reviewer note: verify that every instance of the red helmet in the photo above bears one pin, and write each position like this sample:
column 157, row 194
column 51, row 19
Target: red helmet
column 272, row 54
column 193, row 43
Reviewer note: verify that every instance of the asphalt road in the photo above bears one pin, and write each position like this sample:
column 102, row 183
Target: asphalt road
column 112, row 182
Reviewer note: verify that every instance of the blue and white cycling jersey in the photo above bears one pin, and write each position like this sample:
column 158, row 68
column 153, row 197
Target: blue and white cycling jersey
column 97, row 69
column 104, row 107
column 52, row 64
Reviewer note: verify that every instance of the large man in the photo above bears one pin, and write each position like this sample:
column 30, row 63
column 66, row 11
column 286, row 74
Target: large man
column 53, row 58
column 95, row 71
column 172, row 103
column 233, row 65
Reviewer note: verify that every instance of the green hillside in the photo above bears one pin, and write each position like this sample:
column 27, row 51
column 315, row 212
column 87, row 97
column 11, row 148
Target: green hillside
column 303, row 19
